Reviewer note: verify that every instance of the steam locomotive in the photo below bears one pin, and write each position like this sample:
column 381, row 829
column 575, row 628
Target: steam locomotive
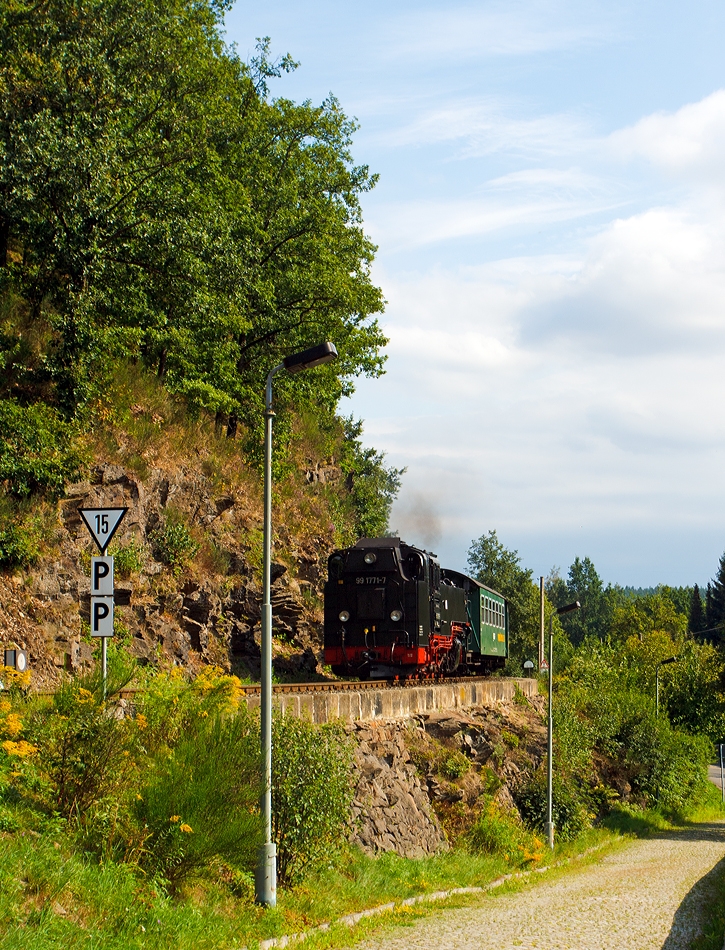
column 392, row 612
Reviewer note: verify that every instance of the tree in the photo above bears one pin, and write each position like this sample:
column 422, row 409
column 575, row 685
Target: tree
column 716, row 598
column 696, row 617
column 583, row 584
column 157, row 204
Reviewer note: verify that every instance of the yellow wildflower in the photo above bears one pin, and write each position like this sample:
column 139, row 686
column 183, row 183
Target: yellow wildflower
column 22, row 749
column 175, row 818
column 187, row 829
column 5, row 706
column 13, row 724
column 141, row 721
column 11, row 677
column 85, row 695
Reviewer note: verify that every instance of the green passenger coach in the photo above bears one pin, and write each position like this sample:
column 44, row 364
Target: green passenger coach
column 488, row 617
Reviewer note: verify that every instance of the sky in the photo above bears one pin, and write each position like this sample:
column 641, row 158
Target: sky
column 550, row 219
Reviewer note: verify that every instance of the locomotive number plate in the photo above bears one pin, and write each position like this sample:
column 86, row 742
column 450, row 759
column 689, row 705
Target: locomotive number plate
column 369, row 580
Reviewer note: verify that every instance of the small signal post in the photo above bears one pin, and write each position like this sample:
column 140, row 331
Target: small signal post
column 102, row 523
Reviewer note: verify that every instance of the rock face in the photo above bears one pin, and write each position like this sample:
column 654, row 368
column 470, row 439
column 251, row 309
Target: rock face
column 184, row 617
column 421, row 777
column 391, row 811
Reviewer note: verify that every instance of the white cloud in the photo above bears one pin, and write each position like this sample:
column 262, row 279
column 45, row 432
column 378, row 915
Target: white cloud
column 691, row 139
column 488, row 125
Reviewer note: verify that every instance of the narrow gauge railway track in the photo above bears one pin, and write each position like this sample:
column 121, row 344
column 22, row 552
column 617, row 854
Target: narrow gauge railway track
column 357, row 685
column 332, row 686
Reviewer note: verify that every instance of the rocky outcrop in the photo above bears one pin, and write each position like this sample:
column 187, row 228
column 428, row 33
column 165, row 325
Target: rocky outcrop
column 391, row 810
column 208, row 613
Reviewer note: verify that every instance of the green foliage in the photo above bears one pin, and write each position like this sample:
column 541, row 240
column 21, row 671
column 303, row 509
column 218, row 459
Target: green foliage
column 510, row 738
column 156, row 202
column 38, row 452
column 23, row 533
column 84, row 752
column 128, row 558
column 501, row 832
column 585, row 585
column 373, row 487
column 454, row 764
column 311, row 793
column 570, row 807
column 696, row 614
column 715, row 605
column 692, row 690
column 173, row 543
column 198, row 802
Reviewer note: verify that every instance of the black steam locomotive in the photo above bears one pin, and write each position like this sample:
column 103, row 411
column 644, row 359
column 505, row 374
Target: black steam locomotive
column 391, row 611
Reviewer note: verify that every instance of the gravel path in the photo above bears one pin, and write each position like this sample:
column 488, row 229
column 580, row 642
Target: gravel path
column 647, row 896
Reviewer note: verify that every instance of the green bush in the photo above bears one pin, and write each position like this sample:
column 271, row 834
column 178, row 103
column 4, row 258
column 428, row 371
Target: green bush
column 22, row 535
column 85, row 753
column 200, row 801
column 173, row 543
column 502, row 833
column 311, row 793
column 570, row 806
column 128, row 558
column 38, row 452
column 454, row 765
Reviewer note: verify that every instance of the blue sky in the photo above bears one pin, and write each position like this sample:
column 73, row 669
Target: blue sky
column 551, row 227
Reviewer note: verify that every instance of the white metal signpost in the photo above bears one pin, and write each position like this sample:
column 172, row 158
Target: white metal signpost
column 102, row 524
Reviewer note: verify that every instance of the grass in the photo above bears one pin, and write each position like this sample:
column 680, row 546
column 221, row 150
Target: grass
column 52, row 897
column 643, row 822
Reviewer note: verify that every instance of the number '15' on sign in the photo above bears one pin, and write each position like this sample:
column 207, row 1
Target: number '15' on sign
column 102, row 524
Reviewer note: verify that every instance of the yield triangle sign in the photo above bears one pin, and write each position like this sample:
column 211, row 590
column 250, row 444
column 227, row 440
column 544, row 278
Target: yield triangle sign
column 102, row 523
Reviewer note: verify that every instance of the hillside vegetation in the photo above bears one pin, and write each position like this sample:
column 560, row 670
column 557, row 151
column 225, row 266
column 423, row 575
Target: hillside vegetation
column 161, row 212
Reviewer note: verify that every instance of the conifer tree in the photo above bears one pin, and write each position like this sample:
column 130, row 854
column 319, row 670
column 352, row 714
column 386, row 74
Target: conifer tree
column 717, row 597
column 696, row 621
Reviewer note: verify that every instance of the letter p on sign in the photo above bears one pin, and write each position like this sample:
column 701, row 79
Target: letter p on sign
column 101, row 577
column 102, row 616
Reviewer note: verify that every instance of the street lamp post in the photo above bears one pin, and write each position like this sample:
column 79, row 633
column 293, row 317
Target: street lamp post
column 550, row 731
column 266, row 876
column 670, row 659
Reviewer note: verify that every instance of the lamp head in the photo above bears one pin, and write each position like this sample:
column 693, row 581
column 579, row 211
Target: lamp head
column 307, row 359
column 671, row 659
column 568, row 608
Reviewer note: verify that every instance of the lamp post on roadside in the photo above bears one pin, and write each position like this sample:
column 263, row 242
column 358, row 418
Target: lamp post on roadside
column 671, row 659
column 266, row 876
column 550, row 731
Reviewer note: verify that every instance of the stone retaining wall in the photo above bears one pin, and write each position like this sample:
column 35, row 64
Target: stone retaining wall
column 391, row 810
column 399, row 702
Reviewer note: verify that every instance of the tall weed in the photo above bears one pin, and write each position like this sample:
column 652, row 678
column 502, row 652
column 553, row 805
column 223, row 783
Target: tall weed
column 199, row 801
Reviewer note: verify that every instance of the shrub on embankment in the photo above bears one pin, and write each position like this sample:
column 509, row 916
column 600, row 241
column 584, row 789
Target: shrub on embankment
column 611, row 748
column 169, row 786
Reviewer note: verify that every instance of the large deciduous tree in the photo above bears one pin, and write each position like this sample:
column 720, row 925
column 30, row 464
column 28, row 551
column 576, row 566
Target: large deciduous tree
column 157, row 203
